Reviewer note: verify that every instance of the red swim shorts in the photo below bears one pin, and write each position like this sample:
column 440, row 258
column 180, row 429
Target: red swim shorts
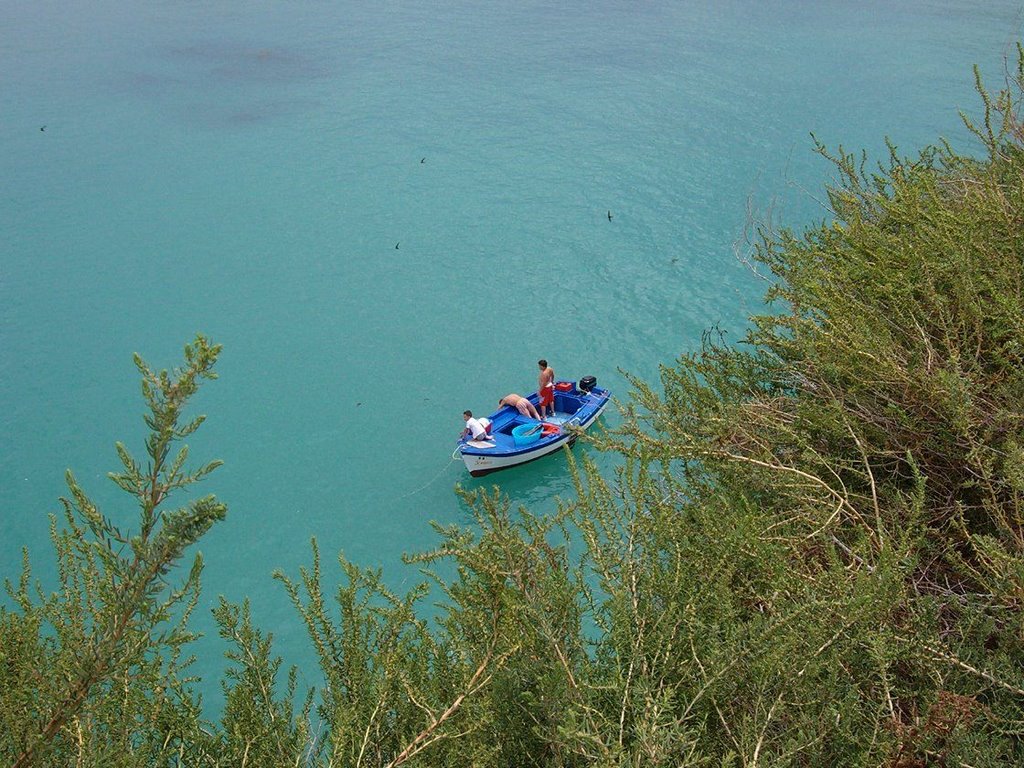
column 547, row 396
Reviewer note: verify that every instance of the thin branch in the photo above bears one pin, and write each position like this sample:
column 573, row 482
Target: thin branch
column 974, row 670
column 424, row 738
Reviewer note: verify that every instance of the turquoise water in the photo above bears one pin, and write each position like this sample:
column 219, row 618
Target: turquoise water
column 247, row 171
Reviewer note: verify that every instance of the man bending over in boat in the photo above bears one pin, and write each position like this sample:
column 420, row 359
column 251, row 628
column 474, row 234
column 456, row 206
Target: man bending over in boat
column 474, row 429
column 521, row 404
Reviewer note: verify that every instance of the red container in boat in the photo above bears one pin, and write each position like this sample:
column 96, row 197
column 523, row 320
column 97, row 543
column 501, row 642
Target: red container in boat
column 564, row 386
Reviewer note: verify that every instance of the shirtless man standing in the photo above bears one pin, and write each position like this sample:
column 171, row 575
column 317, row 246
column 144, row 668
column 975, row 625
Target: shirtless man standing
column 546, row 388
column 521, row 404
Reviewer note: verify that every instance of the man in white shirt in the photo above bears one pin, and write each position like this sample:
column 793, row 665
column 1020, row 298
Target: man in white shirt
column 474, row 429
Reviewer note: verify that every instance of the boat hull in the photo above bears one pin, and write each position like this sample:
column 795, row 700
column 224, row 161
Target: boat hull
column 479, row 466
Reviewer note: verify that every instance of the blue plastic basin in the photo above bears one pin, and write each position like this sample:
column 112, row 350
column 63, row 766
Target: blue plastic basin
column 525, row 434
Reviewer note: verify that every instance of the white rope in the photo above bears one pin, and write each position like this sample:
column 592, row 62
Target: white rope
column 443, row 470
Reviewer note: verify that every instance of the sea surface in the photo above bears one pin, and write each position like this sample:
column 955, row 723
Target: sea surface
column 386, row 213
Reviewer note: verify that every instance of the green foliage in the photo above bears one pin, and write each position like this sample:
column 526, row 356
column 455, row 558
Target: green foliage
column 94, row 671
column 257, row 728
column 852, row 476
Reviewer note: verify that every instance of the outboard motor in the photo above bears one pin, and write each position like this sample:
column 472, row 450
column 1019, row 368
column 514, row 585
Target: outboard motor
column 587, row 383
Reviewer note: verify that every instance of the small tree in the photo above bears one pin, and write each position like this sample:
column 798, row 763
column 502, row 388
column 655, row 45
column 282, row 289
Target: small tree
column 93, row 671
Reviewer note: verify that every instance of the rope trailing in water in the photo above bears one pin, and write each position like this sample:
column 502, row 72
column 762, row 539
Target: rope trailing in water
column 443, row 470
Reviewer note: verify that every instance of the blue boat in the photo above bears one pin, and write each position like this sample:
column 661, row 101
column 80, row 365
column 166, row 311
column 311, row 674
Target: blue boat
column 514, row 439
